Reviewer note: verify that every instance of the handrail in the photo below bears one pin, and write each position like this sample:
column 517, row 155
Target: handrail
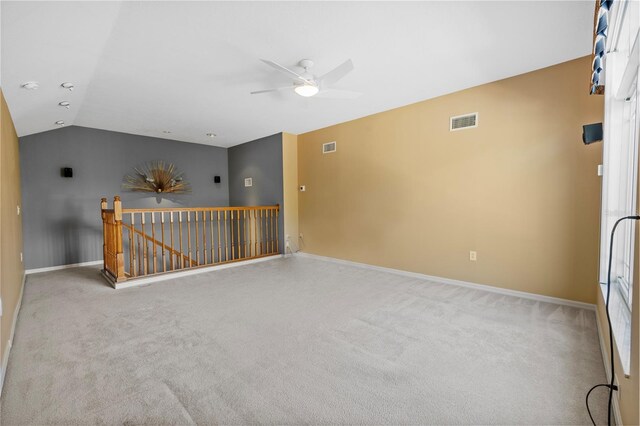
column 139, row 242
column 198, row 209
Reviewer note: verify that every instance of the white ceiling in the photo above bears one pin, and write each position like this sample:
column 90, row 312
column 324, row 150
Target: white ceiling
column 188, row 67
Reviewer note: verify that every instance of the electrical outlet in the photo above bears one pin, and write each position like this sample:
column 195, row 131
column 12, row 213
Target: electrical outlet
column 473, row 256
column 20, row 256
column 18, row 209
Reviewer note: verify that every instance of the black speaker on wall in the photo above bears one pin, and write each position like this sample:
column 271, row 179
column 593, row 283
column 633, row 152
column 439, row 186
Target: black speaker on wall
column 591, row 133
column 216, row 179
column 66, row 172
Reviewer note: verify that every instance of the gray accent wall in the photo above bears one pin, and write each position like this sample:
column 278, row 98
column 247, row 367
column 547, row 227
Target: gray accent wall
column 61, row 216
column 261, row 160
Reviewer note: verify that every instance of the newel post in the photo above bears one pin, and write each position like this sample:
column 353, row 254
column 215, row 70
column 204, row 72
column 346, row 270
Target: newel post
column 117, row 216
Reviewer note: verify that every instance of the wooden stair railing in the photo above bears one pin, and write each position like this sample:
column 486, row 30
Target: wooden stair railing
column 143, row 242
column 152, row 240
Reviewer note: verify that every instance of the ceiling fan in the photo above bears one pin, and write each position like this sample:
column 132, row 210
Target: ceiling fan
column 306, row 84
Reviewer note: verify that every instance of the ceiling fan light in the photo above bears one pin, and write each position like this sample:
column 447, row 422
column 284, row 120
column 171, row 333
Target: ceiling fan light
column 306, row 90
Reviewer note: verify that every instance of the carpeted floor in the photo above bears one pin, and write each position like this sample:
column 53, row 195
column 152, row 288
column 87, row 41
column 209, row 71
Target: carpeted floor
column 294, row 341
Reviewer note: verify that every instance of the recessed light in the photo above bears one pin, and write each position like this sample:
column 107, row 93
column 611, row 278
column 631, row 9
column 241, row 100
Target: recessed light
column 64, row 104
column 166, row 131
column 60, row 123
column 211, row 135
column 68, row 86
column 30, row 85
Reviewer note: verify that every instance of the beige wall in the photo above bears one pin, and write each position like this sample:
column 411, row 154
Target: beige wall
column 11, row 270
column 521, row 189
column 290, row 189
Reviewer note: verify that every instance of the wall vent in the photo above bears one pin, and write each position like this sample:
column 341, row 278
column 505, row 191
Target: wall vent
column 466, row 121
column 328, row 147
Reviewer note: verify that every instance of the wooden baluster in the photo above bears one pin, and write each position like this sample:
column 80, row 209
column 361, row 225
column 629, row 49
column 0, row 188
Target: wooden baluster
column 256, row 224
column 204, row 237
column 145, row 251
column 247, row 235
column 117, row 213
column 255, row 232
column 274, row 240
column 218, row 229
column 266, row 231
column 226, row 244
column 171, row 264
column 246, row 242
column 262, row 232
column 277, row 231
column 271, row 242
column 180, row 238
column 250, row 239
column 153, row 238
column 213, row 258
column 233, row 247
column 139, row 255
column 188, row 238
column 219, row 242
column 238, row 230
column 270, row 228
column 164, row 262
column 195, row 214
column 260, row 228
column 267, row 235
column 267, row 223
column 132, row 256
column 239, row 234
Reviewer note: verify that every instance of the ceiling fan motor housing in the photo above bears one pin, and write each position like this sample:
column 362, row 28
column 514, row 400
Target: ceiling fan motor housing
column 305, row 63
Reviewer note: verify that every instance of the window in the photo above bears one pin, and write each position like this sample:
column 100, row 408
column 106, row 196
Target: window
column 620, row 159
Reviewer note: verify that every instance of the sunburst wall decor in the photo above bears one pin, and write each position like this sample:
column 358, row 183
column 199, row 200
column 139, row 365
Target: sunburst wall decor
column 158, row 177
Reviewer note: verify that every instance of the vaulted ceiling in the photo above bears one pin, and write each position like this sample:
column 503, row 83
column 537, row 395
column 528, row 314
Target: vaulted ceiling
column 187, row 67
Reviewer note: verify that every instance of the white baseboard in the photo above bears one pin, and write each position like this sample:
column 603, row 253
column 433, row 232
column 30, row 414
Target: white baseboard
column 604, row 348
column 58, row 267
column 5, row 358
column 173, row 275
column 442, row 280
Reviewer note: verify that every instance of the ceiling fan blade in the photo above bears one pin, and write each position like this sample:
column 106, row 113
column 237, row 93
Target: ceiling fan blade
column 337, row 73
column 286, row 70
column 338, row 94
column 277, row 89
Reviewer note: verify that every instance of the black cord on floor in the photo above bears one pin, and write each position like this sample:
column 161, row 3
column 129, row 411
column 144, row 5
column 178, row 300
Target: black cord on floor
column 612, row 387
column 587, row 401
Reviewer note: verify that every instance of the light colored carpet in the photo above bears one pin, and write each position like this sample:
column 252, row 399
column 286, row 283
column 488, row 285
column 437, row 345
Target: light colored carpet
column 294, row 341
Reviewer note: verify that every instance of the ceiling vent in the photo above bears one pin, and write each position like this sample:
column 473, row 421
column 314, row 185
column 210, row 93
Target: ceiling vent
column 460, row 122
column 328, row 147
